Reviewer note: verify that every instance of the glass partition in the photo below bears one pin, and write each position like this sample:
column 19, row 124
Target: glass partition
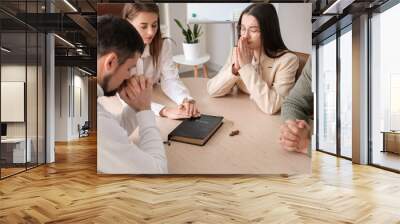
column 385, row 89
column 22, row 78
column 327, row 96
column 346, row 93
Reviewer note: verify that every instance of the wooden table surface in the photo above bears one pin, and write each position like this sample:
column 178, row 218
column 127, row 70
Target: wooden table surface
column 254, row 151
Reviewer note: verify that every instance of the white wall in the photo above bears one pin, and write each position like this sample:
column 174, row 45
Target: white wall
column 295, row 22
column 13, row 73
column 62, row 80
column 33, row 126
column 219, row 44
column 170, row 11
column 12, row 101
column 68, row 81
column 16, row 73
column 296, row 28
column 77, row 118
column 314, row 90
column 221, row 12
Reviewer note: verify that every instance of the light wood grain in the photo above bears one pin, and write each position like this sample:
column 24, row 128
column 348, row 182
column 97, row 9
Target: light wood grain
column 70, row 191
column 254, row 151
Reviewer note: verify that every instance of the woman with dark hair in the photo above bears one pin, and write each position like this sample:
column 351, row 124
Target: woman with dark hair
column 156, row 61
column 261, row 65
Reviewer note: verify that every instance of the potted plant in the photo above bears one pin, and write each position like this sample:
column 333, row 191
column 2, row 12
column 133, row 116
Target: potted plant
column 191, row 46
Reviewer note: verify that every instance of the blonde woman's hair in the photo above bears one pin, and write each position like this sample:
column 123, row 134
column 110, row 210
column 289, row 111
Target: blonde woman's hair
column 131, row 10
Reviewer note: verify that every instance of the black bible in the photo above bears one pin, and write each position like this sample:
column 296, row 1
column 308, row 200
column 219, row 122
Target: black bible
column 196, row 131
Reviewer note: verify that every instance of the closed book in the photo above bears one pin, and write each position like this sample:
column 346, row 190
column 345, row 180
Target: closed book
column 196, row 131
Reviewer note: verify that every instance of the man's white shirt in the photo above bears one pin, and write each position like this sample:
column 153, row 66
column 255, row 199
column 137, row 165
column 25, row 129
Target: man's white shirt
column 116, row 153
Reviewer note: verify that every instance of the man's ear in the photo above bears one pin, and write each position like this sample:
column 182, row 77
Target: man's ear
column 111, row 63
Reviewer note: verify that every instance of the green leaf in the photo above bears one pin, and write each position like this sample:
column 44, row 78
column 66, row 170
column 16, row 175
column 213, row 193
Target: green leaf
column 195, row 30
column 190, row 34
column 187, row 38
column 179, row 24
column 186, row 35
column 199, row 32
column 184, row 32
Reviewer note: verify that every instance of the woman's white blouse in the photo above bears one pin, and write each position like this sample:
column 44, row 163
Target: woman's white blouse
column 166, row 75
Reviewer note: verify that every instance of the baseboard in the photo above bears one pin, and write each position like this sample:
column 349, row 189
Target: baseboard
column 185, row 68
column 213, row 66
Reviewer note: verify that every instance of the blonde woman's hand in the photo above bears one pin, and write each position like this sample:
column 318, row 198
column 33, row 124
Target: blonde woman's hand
column 174, row 113
column 190, row 107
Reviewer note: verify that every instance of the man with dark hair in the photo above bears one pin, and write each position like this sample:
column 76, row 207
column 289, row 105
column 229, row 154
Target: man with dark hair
column 119, row 46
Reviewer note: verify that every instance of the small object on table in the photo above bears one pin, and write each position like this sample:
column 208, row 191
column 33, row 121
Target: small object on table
column 233, row 133
column 167, row 143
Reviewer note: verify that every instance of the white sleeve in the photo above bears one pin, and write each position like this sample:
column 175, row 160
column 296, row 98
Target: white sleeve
column 116, row 155
column 224, row 81
column 127, row 118
column 156, row 108
column 122, row 112
column 171, row 84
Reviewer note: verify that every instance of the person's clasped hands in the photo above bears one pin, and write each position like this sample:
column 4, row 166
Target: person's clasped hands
column 187, row 109
column 136, row 92
column 295, row 135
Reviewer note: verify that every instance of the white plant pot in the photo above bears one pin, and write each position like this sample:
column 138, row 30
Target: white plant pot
column 191, row 51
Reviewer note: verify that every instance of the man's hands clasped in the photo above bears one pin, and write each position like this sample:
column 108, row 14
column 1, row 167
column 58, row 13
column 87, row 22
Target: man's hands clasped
column 136, row 92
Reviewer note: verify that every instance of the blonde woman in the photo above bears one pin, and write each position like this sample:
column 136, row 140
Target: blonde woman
column 156, row 61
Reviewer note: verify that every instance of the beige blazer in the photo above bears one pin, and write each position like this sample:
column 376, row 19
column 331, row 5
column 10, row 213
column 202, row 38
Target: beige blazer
column 267, row 82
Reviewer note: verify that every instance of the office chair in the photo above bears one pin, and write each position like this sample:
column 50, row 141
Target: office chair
column 84, row 130
column 303, row 57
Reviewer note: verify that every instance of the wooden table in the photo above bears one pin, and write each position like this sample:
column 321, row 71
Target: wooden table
column 13, row 150
column 254, row 151
column 391, row 141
